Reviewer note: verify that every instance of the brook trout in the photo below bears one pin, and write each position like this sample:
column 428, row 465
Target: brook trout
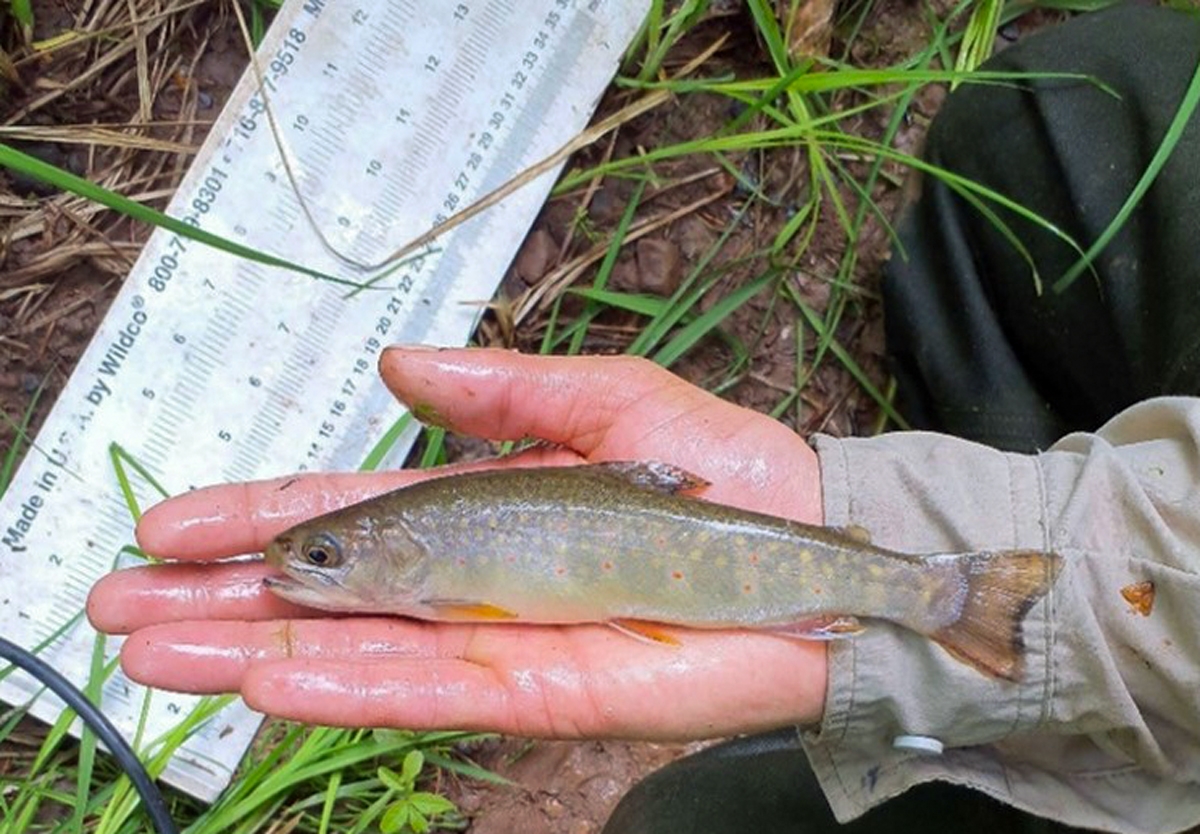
column 615, row 543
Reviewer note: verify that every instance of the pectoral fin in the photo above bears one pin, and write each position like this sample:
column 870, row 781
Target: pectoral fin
column 654, row 475
column 468, row 610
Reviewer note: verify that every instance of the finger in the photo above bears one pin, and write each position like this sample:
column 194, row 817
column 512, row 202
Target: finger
column 232, row 519
column 208, row 657
column 575, row 682
column 505, row 395
column 537, row 681
column 612, row 408
column 126, row 600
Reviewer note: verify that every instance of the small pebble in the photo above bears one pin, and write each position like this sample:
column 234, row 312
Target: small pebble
column 535, row 256
column 660, row 266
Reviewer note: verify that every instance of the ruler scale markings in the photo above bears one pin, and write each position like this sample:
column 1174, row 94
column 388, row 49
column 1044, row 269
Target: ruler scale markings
column 301, row 340
column 187, row 391
column 374, row 60
column 201, row 361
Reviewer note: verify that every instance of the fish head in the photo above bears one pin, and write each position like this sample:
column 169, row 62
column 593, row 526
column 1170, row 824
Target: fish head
column 358, row 563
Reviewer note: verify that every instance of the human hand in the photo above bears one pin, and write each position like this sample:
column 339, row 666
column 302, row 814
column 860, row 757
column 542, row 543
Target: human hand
column 200, row 625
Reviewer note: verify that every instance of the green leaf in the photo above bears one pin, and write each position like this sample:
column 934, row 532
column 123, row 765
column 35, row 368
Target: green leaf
column 393, row 779
column 431, row 804
column 411, row 769
column 395, row 817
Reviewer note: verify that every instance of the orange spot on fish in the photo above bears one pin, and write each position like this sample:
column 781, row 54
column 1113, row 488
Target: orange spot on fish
column 1140, row 596
column 677, row 574
column 607, row 566
column 560, row 570
column 753, row 558
column 816, row 589
column 747, row 588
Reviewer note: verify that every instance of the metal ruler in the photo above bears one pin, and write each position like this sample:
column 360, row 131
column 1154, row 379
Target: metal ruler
column 389, row 116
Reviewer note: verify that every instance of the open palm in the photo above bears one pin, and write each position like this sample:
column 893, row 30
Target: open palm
column 201, row 625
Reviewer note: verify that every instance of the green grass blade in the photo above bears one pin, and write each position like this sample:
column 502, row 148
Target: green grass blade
column 606, row 266
column 979, row 36
column 435, row 449
column 689, row 336
column 120, row 458
column 20, row 435
column 818, row 325
column 22, row 12
column 31, row 166
column 1187, row 107
column 390, row 438
column 680, row 303
column 768, row 29
column 87, row 742
column 331, row 791
column 645, row 305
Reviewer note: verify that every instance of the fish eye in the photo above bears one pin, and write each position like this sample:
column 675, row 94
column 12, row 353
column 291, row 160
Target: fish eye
column 323, row 551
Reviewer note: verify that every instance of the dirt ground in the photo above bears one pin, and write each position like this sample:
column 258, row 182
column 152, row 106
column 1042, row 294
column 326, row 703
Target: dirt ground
column 62, row 260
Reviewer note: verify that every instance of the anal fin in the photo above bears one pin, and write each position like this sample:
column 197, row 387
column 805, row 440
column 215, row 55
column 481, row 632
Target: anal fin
column 831, row 627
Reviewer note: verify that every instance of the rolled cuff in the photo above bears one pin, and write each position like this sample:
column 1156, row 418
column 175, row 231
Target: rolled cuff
column 1066, row 741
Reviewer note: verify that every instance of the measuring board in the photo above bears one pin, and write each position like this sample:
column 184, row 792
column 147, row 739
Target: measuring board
column 385, row 118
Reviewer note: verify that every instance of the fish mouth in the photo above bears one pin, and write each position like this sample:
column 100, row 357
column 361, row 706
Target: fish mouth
column 284, row 585
column 312, row 591
column 295, row 578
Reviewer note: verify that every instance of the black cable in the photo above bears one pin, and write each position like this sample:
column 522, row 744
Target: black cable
column 152, row 798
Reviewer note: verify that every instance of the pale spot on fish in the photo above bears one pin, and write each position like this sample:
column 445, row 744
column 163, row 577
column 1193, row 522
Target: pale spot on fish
column 806, row 556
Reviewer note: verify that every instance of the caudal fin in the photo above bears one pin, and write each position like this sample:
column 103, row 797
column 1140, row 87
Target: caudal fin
column 1001, row 588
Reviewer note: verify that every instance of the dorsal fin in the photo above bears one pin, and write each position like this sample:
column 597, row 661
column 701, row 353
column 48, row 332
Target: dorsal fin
column 654, row 475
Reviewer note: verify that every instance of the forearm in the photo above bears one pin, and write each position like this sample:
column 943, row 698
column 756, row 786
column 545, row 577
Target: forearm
column 1105, row 718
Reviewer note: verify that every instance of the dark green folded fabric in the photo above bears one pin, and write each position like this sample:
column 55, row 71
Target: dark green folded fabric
column 978, row 352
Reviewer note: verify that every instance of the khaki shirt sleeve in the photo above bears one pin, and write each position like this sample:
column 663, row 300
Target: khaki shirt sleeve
column 1104, row 729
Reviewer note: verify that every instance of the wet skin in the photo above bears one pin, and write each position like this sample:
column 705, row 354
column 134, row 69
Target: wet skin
column 200, row 625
